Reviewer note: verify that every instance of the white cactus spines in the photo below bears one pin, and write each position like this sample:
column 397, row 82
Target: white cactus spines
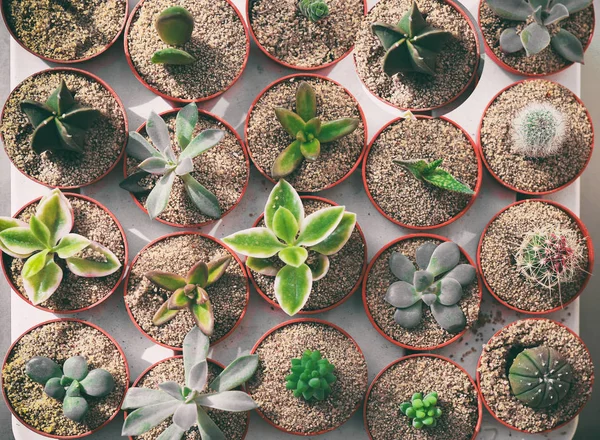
column 539, row 130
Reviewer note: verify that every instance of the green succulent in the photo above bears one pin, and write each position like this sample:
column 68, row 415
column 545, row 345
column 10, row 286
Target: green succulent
column 308, row 131
column 72, row 384
column 539, row 130
column 311, row 377
column 314, row 10
column 174, row 26
column 423, row 411
column 60, row 123
column 412, row 45
column 434, row 175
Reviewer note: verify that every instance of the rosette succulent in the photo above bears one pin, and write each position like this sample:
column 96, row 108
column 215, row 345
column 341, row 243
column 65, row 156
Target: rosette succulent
column 423, row 411
column 434, row 175
column 311, row 376
column 538, row 130
column 174, row 26
column 314, row 10
column 187, row 403
column 290, row 235
column 47, row 238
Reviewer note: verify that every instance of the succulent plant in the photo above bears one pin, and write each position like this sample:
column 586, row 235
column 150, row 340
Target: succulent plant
column 544, row 17
column 538, row 130
column 438, row 284
column 71, row 384
column 540, row 377
column 434, row 175
column 48, row 236
column 174, row 26
column 412, row 45
column 60, row 123
column 308, row 131
column 311, row 377
column 423, row 411
column 324, row 232
column 187, row 403
column 161, row 160
column 314, row 10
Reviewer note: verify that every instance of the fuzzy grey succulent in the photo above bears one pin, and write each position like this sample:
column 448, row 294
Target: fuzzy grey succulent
column 538, row 130
column 314, row 10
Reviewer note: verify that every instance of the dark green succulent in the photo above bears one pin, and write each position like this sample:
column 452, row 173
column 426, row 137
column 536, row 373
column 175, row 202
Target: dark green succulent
column 311, row 377
column 314, row 10
column 174, row 26
column 434, row 175
column 423, row 411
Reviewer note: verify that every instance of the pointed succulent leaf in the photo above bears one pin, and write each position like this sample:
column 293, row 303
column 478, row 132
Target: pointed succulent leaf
column 132, row 183
column 198, row 376
column 205, row 201
column 292, row 288
column 82, row 117
column 319, row 225
column 422, row 280
column 423, row 60
column 320, row 267
column 45, row 137
column 159, row 196
column 424, row 253
column 70, row 245
column 36, row 112
column 510, row 41
column 75, row 408
column 535, row 38
column 54, row 210
column 185, row 166
column 311, row 149
column 402, row 295
column 255, row 242
column 179, row 300
column 203, row 317
column 306, row 101
column 55, row 389
column 95, row 267
column 68, row 136
column 339, row 237
column 431, row 39
column 198, row 274
column 387, row 34
column 450, row 318
column 217, row 268
column 397, row 59
column 412, row 23
column 147, row 417
column 334, row 130
column 236, row 373
column 172, row 55
column 61, row 99
column 173, row 432
column 290, row 121
column 185, row 416
column 139, row 148
column 166, row 280
column 409, row 317
column 575, row 5
column 195, row 350
column 465, row 274
column 294, row 255
column 450, row 291
column 285, row 225
column 313, row 126
column 140, row 397
column 74, row 389
column 568, row 46
column 283, row 195
column 233, row 401
column 557, row 13
column 98, row 383
column 263, row 266
column 155, row 165
column 164, row 314
column 444, row 258
column 9, row 222
column 34, row 264
column 41, row 369
column 402, row 267
column 208, row 429
column 75, row 368
column 185, row 123
column 518, row 10
column 417, row 167
column 43, row 284
column 158, row 131
column 203, row 142
column 287, row 161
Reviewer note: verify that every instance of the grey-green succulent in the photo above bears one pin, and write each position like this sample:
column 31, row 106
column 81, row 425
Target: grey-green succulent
column 314, row 10
column 174, row 26
column 538, row 130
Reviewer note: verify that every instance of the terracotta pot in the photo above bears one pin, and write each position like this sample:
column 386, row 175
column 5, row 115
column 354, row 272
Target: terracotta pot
column 584, row 232
column 14, row 413
column 447, row 222
column 114, row 95
column 5, row 268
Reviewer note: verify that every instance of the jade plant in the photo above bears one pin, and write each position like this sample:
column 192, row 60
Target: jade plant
column 438, row 284
column 290, row 235
column 434, row 175
column 423, row 411
column 174, row 26
column 540, row 377
column 543, row 26
column 308, row 131
column 189, row 292
column 314, row 10
column 412, row 45
column 161, row 160
column 48, row 237
column 539, row 130
column 60, row 123
column 187, row 404
column 311, row 376
column 72, row 384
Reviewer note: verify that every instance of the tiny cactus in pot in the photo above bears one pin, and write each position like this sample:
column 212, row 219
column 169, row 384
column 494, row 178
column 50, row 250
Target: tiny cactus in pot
column 434, row 175
column 314, row 10
column 174, row 26
column 423, row 411
column 539, row 130
column 311, row 376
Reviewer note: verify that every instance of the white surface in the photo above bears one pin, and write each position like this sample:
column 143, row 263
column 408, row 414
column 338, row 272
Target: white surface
column 233, row 105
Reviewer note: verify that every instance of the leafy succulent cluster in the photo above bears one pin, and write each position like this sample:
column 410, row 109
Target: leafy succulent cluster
column 187, row 404
column 161, row 160
column 174, row 26
column 314, row 10
column 540, row 377
column 311, row 376
column 434, row 175
column 71, row 384
column 412, row 45
column 60, row 123
column 423, row 411
column 438, row 284
column 324, row 232
column 189, row 292
column 544, row 17
column 48, row 236
column 538, row 130
column 308, row 131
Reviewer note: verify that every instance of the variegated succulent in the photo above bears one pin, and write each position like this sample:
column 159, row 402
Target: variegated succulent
column 47, row 237
column 290, row 235
column 434, row 175
column 174, row 26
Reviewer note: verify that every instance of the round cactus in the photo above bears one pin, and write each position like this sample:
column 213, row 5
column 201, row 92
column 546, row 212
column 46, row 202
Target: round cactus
column 311, row 376
column 538, row 130
column 314, row 10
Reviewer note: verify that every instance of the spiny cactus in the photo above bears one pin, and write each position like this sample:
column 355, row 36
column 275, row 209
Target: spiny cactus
column 423, row 411
column 311, row 377
column 432, row 174
column 60, row 123
column 174, row 26
column 161, row 160
column 72, row 383
column 314, row 10
column 438, row 284
column 308, row 131
column 538, row 130
column 545, row 17
column 187, row 403
column 412, row 45
column 324, row 232
column 540, row 377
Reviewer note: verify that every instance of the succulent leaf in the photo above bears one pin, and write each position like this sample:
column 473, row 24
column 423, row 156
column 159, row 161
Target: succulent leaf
column 287, row 161
column 319, row 225
column 402, row 267
column 203, row 317
column 139, row 148
column 285, row 225
column 139, row 397
column 186, row 121
column 75, row 408
column 166, row 280
column 432, row 174
column 172, row 56
column 173, row 432
column 70, row 245
column 147, row 417
column 236, row 373
column 450, row 291
column 339, row 237
column 510, row 41
column 198, row 376
column 98, row 383
column 158, row 131
column 409, row 317
column 155, row 165
column 450, row 318
column 422, row 410
column 294, row 255
column 292, row 288
column 283, row 195
column 21, row 240
column 195, row 350
column 55, row 389
column 518, row 10
column 36, row 112
column 43, row 284
column 422, row 280
column 34, row 264
column 76, row 368
column 402, row 294
column 203, row 142
column 290, row 121
column 320, row 267
column 185, row 166
column 535, row 38
column 334, row 130
column 263, row 266
column 208, row 429
column 103, row 263
column 54, row 210
column 41, row 369
column 159, row 196
column 198, row 274
column 204, row 200
column 255, row 242
column 217, row 268
column 175, row 25
column 387, row 34
column 306, row 101
column 557, row 13
column 444, row 258
column 178, row 301
column 233, row 401
column 568, row 46
column 185, row 416
column 465, row 274
column 311, row 149
column 575, row 5
column 314, row 10
column 164, row 314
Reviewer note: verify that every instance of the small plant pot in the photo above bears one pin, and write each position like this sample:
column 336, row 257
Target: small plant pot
column 177, row 253
column 71, row 34
column 60, row 339
column 428, row 335
column 76, row 294
column 224, row 170
column 220, row 43
column 458, row 398
column 309, row 46
column 497, row 357
column 266, row 138
column 547, row 62
column 342, row 280
column 278, row 406
column 402, row 198
column 498, row 246
column 105, row 141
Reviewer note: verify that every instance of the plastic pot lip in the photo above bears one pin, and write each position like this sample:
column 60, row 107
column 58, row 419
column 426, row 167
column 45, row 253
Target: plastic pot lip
column 171, row 99
column 482, row 397
column 366, row 278
column 316, row 321
column 112, row 340
column 429, row 355
column 113, row 94
column 478, row 184
column 124, row 268
column 178, row 234
column 588, row 241
column 511, row 187
column 300, row 76
column 328, row 308
column 246, row 157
